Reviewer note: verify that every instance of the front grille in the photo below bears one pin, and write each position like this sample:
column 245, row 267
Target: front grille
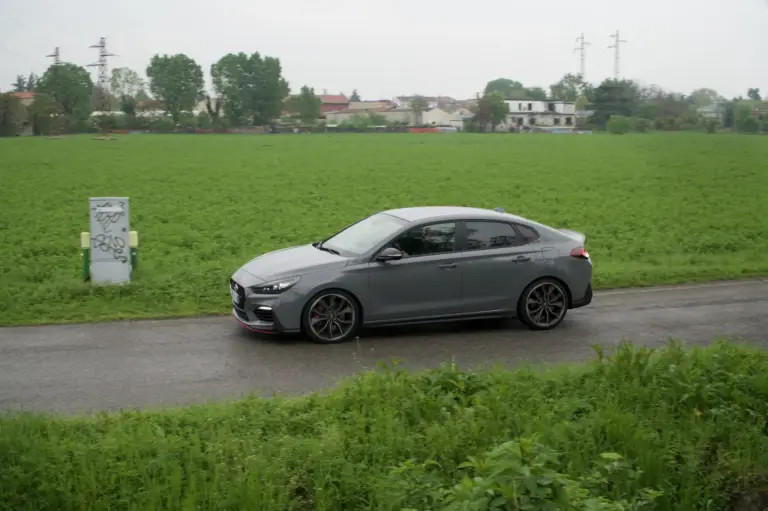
column 265, row 316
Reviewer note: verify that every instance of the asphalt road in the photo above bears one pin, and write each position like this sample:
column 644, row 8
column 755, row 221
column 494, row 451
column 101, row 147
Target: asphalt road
column 79, row 368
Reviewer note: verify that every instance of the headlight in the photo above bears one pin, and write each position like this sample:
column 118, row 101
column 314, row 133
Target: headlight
column 276, row 287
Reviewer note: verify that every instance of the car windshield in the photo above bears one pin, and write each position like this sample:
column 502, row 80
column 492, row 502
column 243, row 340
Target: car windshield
column 365, row 234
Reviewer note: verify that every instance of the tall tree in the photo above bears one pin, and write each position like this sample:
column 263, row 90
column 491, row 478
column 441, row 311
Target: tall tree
column 251, row 86
column 754, row 94
column 142, row 95
column 537, row 93
column 614, row 97
column 507, row 87
column 355, row 96
column 568, row 88
column 128, row 105
column 126, row 85
column 582, row 102
column 744, row 118
column 12, row 115
column 657, row 103
column 491, row 109
column 213, row 107
column 70, row 86
column 419, row 105
column 176, row 80
column 308, row 105
column 20, row 84
column 44, row 115
column 125, row 82
column 100, row 97
column 512, row 89
column 31, row 82
column 703, row 97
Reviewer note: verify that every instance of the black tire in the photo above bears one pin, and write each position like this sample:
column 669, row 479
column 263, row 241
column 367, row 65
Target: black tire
column 536, row 290
column 331, row 296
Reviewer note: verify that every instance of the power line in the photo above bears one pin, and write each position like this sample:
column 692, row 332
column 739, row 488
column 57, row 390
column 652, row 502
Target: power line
column 582, row 49
column 617, row 40
column 56, row 56
column 103, row 81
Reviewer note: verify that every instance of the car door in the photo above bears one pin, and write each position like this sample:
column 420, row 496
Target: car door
column 425, row 283
column 498, row 264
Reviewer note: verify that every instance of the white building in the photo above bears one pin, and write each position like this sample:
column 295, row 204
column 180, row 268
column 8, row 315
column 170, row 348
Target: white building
column 440, row 117
column 527, row 112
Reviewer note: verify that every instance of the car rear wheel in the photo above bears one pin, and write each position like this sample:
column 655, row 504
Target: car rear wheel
column 331, row 317
column 543, row 304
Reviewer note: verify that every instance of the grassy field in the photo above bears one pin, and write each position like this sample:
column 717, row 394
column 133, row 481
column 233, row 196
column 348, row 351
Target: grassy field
column 685, row 430
column 657, row 208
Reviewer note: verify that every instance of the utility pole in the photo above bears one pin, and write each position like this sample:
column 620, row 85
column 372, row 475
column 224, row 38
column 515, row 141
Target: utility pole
column 103, row 82
column 617, row 40
column 582, row 49
column 56, row 127
column 56, row 56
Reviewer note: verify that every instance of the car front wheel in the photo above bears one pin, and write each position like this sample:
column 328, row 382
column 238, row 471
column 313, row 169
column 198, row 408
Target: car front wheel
column 543, row 304
column 331, row 316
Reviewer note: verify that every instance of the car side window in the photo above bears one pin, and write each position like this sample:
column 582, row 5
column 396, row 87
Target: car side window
column 488, row 235
column 428, row 240
column 528, row 233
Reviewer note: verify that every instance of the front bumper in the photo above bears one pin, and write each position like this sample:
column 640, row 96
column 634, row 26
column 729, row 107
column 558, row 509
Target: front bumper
column 269, row 314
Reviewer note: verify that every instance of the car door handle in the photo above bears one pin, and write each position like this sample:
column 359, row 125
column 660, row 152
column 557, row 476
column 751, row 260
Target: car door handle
column 522, row 259
column 447, row 266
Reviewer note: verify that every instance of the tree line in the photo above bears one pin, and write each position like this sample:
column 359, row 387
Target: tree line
column 250, row 89
column 631, row 106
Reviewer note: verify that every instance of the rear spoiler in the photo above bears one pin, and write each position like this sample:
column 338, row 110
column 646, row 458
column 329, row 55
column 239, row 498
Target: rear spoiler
column 575, row 235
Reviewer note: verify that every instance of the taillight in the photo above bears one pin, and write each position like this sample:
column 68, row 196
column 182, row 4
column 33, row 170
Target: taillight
column 580, row 252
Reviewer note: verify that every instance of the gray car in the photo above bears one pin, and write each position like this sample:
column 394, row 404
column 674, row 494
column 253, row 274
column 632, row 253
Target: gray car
column 416, row 265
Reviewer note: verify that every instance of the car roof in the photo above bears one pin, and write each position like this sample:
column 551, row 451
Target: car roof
column 422, row 213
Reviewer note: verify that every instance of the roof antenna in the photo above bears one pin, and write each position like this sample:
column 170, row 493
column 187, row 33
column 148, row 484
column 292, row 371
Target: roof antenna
column 499, row 209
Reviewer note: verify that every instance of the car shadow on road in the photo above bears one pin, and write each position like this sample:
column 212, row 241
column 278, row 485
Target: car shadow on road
column 404, row 332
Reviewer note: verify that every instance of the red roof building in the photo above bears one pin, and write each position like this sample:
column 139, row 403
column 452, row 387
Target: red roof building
column 27, row 98
column 330, row 103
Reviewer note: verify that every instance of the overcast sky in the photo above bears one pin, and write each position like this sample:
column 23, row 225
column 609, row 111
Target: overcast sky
column 402, row 47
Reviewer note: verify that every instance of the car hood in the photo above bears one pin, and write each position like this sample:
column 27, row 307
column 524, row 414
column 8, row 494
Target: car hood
column 292, row 261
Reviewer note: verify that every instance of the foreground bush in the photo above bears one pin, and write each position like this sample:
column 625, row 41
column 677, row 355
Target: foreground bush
column 667, row 429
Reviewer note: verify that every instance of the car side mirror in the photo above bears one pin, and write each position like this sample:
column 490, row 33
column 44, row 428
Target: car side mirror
column 389, row 254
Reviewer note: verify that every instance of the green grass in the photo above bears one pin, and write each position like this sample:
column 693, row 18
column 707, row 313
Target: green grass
column 657, row 208
column 690, row 425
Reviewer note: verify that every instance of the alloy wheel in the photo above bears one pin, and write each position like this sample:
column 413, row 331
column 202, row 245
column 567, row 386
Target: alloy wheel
column 546, row 304
column 332, row 317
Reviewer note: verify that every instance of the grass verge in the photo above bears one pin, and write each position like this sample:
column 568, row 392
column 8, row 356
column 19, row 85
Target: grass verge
column 658, row 208
column 658, row 429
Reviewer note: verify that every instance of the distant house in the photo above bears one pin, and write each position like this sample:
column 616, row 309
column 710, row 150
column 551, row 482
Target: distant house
column 442, row 102
column 328, row 103
column 27, row 98
column 714, row 111
column 368, row 105
column 400, row 114
column 331, row 103
column 527, row 112
column 202, row 106
column 346, row 115
column 403, row 115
